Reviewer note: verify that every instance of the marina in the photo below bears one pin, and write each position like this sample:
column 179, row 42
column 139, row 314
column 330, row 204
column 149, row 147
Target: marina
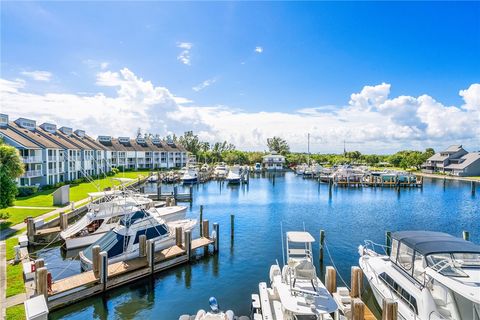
column 267, row 202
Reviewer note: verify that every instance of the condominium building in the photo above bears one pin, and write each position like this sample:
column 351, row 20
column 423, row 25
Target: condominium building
column 455, row 160
column 52, row 154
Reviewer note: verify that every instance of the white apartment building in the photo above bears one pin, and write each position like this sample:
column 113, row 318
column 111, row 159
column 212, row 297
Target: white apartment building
column 54, row 155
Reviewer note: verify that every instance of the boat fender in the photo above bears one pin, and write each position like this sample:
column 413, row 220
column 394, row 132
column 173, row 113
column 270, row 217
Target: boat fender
column 230, row 315
column 200, row 314
column 214, row 235
column 274, row 271
column 361, row 250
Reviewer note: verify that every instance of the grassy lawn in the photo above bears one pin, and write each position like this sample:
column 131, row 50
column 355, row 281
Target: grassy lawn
column 15, row 283
column 17, row 215
column 16, row 312
column 9, row 244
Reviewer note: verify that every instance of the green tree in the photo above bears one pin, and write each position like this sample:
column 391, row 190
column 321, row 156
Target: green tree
column 278, row 145
column 254, row 157
column 11, row 168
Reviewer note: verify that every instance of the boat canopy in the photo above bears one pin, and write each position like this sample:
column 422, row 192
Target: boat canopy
column 430, row 242
column 299, row 236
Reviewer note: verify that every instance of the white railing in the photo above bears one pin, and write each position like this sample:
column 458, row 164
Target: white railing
column 32, row 159
column 52, row 171
column 52, row 158
column 32, row 173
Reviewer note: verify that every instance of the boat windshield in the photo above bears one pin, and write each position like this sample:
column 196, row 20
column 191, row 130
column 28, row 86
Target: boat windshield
column 451, row 264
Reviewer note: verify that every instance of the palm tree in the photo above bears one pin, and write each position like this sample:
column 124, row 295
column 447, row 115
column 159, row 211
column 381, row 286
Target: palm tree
column 278, row 145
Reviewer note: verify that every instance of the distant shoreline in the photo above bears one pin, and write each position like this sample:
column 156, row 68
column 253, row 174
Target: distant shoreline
column 437, row 176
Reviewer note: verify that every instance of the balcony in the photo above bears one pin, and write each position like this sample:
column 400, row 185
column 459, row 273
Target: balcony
column 53, row 158
column 32, row 174
column 32, row 159
column 52, row 171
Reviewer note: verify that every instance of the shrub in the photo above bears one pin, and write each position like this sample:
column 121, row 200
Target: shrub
column 58, row 185
column 4, row 215
column 27, row 191
column 47, row 187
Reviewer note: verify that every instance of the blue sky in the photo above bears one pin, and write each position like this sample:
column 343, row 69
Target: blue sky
column 271, row 57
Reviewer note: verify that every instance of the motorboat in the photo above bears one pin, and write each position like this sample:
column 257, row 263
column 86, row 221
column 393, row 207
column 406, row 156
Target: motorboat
column 300, row 169
column 121, row 243
column 190, row 175
column 205, row 167
column 152, row 178
column 214, row 314
column 220, row 171
column 432, row 275
column 257, row 167
column 233, row 176
column 103, row 217
column 296, row 292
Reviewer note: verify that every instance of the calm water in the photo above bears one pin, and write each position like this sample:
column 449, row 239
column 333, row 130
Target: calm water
column 348, row 217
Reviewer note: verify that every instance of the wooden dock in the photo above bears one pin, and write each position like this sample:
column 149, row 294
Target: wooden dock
column 108, row 276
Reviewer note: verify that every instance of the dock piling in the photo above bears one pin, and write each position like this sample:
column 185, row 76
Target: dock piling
column 390, row 309
column 215, row 240
column 205, row 228
column 142, row 245
column 358, row 309
column 151, row 255
column 41, row 281
column 331, row 279
column 30, row 229
column 39, row 263
column 188, row 244
column 473, row 188
column 178, row 236
column 466, row 235
column 102, row 256
column 388, row 242
column 201, row 219
column 356, row 282
column 232, row 226
column 96, row 260
column 322, row 244
column 63, row 221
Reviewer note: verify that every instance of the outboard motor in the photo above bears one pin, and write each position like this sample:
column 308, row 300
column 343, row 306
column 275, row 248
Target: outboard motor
column 213, row 304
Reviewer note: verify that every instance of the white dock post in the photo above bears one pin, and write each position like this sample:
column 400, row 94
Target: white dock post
column 30, row 229
column 215, row 240
column 103, row 269
column 151, row 255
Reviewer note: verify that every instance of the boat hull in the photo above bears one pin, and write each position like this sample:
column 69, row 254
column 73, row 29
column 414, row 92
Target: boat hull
column 85, row 241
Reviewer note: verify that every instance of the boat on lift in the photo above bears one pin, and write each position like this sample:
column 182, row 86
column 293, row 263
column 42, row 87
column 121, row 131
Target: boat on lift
column 257, row 167
column 296, row 292
column 234, row 175
column 122, row 243
column 432, row 275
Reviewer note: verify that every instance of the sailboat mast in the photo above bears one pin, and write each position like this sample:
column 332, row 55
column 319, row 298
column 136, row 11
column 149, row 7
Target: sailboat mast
column 308, row 148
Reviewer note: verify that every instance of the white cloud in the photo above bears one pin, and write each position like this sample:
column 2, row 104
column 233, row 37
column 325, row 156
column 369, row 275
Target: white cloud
column 258, row 49
column 104, row 65
column 204, row 84
column 184, row 56
column 38, row 75
column 372, row 121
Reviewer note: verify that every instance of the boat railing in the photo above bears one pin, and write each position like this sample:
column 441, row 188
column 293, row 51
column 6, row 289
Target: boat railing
column 376, row 247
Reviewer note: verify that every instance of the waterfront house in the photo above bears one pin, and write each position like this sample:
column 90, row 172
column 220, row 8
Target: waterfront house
column 455, row 160
column 54, row 155
column 273, row 162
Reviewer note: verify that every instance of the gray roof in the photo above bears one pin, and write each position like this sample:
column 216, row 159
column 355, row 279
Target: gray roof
column 454, row 148
column 437, row 157
column 428, row 242
column 468, row 159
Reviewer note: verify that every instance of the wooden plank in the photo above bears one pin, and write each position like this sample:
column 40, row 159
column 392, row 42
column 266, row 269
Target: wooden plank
column 119, row 268
column 169, row 253
column 201, row 242
column 367, row 314
column 43, row 232
column 73, row 282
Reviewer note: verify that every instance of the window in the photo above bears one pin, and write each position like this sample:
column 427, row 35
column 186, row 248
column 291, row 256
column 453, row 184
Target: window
column 399, row 291
column 405, row 257
column 419, row 267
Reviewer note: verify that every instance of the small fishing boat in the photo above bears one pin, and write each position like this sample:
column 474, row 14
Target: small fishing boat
column 300, row 169
column 233, row 176
column 190, row 176
column 432, row 275
column 152, row 178
column 121, row 243
column 257, row 167
column 296, row 292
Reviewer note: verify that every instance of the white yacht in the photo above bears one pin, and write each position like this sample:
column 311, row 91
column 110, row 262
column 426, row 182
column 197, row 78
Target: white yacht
column 233, row 176
column 220, row 171
column 296, row 292
column 103, row 217
column 121, row 243
column 300, row 169
column 432, row 275
column 214, row 314
column 190, row 175
column 258, row 167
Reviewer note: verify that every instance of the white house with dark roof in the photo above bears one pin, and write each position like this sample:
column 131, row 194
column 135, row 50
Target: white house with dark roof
column 455, row 160
column 273, row 162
